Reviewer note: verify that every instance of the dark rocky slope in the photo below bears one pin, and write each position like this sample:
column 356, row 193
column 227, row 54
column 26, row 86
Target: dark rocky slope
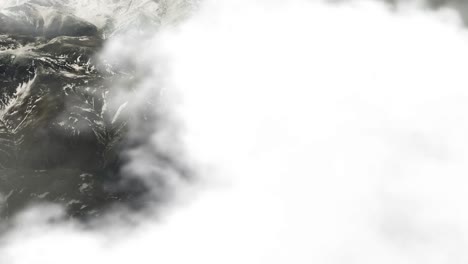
column 59, row 142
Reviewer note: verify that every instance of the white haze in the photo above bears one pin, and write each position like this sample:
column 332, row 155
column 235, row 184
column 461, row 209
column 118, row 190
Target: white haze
column 120, row 13
column 322, row 133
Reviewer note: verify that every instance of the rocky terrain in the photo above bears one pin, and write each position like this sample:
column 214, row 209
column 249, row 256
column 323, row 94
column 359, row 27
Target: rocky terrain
column 59, row 139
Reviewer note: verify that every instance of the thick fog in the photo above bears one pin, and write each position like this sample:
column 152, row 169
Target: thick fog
column 316, row 132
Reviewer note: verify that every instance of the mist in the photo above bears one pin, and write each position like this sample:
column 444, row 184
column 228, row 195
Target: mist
column 319, row 133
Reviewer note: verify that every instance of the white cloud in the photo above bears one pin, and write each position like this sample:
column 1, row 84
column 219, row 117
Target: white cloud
column 324, row 134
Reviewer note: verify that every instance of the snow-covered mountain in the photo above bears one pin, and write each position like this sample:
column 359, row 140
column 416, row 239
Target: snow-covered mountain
column 60, row 140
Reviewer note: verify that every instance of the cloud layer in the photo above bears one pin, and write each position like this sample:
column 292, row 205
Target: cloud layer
column 321, row 133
